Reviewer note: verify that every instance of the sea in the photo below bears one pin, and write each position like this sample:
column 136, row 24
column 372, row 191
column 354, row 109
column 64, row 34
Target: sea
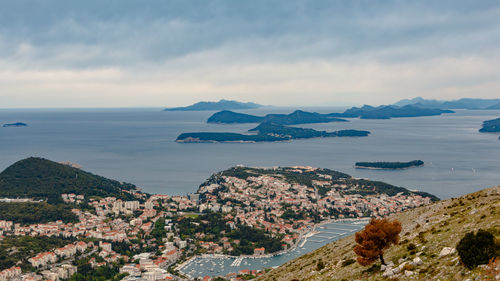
column 137, row 145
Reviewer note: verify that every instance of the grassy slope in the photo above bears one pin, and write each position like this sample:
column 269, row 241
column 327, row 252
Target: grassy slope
column 442, row 223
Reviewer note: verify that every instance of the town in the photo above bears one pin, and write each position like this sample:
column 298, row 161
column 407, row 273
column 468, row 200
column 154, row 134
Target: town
column 239, row 212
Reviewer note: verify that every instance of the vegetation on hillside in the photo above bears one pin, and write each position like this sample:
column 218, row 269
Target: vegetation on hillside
column 374, row 239
column 476, row 248
column 214, row 227
column 45, row 179
column 425, row 251
column 21, row 248
column 39, row 212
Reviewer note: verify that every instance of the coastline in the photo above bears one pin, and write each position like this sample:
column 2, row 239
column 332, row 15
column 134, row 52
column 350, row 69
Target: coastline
column 300, row 241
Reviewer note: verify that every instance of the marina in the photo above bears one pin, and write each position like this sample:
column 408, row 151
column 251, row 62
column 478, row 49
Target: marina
column 219, row 265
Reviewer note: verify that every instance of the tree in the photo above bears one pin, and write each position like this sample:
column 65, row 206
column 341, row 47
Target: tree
column 476, row 249
column 376, row 237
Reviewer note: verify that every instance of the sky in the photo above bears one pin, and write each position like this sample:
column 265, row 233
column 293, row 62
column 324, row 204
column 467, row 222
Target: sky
column 123, row 53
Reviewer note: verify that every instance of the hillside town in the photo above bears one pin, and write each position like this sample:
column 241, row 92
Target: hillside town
column 147, row 238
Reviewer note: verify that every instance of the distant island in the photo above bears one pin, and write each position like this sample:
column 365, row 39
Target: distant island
column 295, row 118
column 388, row 165
column 304, row 117
column 389, row 111
column 495, row 106
column 269, row 132
column 18, row 124
column 465, row 103
column 491, row 126
column 220, row 105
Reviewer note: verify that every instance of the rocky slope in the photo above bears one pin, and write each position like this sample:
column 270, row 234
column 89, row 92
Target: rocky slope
column 426, row 250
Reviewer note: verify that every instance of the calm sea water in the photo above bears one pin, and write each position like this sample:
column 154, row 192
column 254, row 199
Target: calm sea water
column 137, row 146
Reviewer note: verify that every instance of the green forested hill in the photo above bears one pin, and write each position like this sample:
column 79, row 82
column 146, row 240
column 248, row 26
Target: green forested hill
column 42, row 178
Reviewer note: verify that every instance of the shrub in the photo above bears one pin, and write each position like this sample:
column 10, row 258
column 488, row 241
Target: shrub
column 476, row 249
column 320, row 265
column 411, row 247
column 348, row 262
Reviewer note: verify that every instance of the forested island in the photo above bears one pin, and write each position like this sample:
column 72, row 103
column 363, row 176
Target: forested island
column 269, row 132
column 388, row 165
column 295, row 118
column 18, row 124
column 220, row 105
column 304, row 117
column 491, row 126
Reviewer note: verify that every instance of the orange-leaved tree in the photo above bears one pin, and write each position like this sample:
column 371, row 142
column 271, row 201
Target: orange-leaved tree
column 376, row 237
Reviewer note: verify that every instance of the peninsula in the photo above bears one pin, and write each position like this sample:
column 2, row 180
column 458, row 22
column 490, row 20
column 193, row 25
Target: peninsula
column 268, row 132
column 491, row 126
column 18, row 124
column 220, row 105
column 295, row 118
column 388, row 165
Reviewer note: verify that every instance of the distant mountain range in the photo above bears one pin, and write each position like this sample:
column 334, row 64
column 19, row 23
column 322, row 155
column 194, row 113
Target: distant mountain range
column 220, row 105
column 465, row 103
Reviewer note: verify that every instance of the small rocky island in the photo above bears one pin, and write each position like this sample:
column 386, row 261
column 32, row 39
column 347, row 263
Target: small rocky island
column 269, row 132
column 18, row 124
column 388, row 165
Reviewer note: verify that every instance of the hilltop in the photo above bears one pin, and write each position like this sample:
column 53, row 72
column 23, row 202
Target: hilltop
column 41, row 179
column 427, row 230
column 220, row 105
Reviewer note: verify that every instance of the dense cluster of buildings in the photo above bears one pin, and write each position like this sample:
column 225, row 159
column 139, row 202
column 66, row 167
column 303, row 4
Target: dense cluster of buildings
column 272, row 203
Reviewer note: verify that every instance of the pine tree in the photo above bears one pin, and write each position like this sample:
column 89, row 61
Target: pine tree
column 376, row 237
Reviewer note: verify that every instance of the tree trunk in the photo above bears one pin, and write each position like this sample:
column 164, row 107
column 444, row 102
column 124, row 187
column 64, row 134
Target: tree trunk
column 382, row 259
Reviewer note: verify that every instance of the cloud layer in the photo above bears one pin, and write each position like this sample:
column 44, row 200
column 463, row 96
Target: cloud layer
column 150, row 53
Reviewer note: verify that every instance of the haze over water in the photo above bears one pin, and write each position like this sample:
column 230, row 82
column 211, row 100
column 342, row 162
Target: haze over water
column 137, row 146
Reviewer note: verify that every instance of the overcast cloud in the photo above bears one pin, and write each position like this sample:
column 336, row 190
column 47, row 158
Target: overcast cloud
column 169, row 53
